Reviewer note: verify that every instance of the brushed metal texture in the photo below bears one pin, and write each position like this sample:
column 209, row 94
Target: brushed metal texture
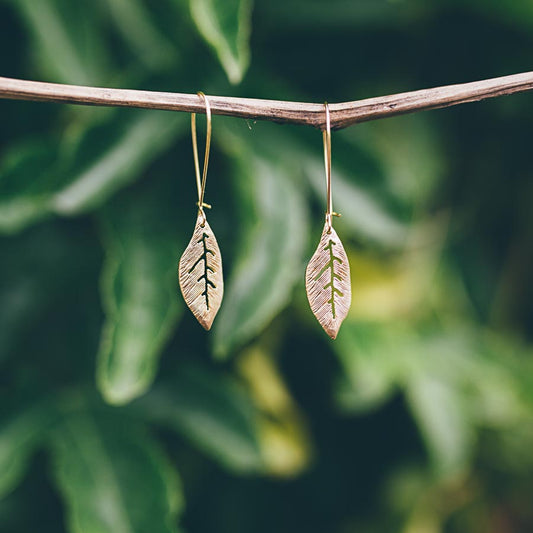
column 200, row 274
column 327, row 282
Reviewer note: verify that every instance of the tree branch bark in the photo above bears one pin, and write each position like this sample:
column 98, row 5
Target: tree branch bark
column 342, row 114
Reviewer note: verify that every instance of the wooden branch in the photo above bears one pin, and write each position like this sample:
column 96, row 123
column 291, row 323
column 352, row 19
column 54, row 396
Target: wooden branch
column 342, row 115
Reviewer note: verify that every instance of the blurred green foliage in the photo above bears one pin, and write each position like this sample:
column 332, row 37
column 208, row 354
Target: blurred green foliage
column 120, row 414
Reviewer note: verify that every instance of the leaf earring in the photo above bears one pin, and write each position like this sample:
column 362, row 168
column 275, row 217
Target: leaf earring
column 327, row 277
column 200, row 266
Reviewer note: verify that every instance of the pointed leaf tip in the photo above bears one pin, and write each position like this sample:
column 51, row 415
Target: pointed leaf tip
column 327, row 282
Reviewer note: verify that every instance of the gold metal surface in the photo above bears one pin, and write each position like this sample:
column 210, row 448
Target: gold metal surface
column 200, row 183
column 200, row 266
column 200, row 274
column 327, row 277
column 327, row 282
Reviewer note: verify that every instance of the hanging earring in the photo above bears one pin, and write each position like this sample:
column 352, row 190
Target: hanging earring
column 327, row 277
column 200, row 266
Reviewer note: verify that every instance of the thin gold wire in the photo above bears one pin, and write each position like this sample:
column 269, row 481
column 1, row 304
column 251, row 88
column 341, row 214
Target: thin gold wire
column 326, row 137
column 200, row 182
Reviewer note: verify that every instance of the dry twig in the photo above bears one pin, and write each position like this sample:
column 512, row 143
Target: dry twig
column 342, row 115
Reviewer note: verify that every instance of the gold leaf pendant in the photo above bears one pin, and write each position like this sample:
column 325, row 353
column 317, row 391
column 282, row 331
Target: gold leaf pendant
column 327, row 282
column 200, row 274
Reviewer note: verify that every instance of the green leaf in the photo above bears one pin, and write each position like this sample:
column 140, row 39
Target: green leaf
column 444, row 422
column 20, row 434
column 408, row 152
column 361, row 212
column 134, row 21
column 212, row 412
column 435, row 366
column 113, row 477
column 111, row 155
column 225, row 25
column 371, row 362
column 42, row 178
column 271, row 253
column 69, row 40
column 139, row 289
column 26, row 174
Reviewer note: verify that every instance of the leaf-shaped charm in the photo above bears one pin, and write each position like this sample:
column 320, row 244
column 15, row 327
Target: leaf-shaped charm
column 200, row 274
column 327, row 282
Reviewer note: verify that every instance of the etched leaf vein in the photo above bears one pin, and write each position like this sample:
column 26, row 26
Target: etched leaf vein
column 330, row 265
column 207, row 268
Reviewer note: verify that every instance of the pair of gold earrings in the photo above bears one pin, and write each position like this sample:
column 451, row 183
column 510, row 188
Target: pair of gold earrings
column 327, row 277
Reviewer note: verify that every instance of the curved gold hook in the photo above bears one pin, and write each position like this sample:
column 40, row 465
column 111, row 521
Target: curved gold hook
column 200, row 183
column 326, row 137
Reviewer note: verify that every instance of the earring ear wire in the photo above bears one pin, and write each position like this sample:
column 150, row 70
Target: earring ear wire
column 326, row 138
column 200, row 267
column 327, row 277
column 200, row 182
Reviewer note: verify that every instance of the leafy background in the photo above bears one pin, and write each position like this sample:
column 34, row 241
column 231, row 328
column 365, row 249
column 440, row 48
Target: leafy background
column 120, row 414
